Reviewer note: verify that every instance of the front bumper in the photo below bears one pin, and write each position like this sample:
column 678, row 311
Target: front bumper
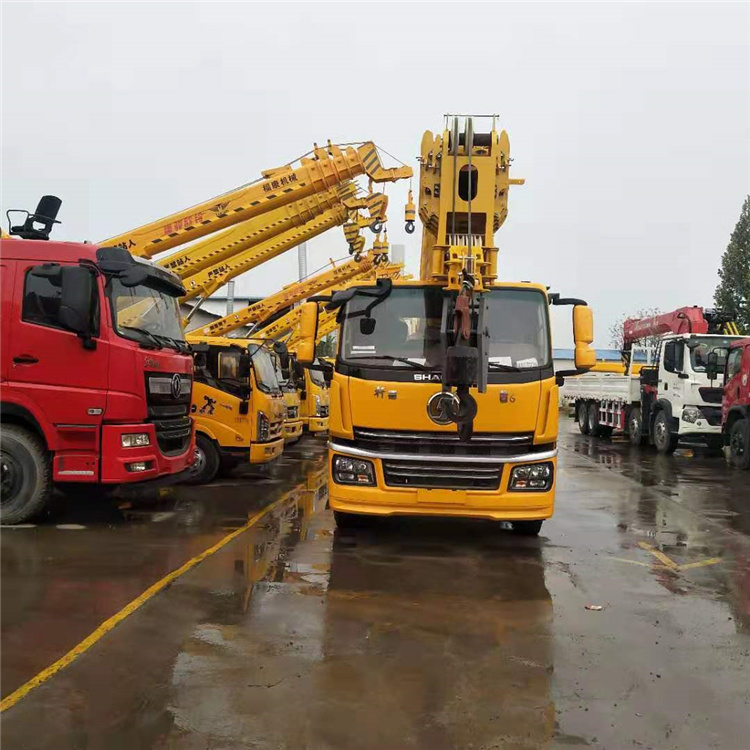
column 115, row 458
column 385, row 500
column 292, row 431
column 262, row 453
column 317, row 424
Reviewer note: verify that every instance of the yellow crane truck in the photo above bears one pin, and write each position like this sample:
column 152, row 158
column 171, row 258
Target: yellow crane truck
column 444, row 400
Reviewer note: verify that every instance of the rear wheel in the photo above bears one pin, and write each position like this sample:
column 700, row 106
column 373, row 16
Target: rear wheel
column 25, row 475
column 527, row 528
column 635, row 427
column 582, row 413
column 593, row 418
column 739, row 444
column 664, row 440
column 207, row 461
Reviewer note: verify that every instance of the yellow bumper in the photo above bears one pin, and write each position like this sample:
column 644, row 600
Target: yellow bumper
column 262, row 453
column 317, row 424
column 292, row 431
column 499, row 505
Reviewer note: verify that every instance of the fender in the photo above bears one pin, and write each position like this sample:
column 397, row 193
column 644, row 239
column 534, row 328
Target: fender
column 24, row 410
column 738, row 411
column 666, row 406
column 201, row 428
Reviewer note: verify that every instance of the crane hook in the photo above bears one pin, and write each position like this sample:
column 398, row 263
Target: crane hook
column 376, row 227
column 410, row 214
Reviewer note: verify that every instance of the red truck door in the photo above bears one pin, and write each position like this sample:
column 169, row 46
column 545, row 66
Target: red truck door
column 48, row 364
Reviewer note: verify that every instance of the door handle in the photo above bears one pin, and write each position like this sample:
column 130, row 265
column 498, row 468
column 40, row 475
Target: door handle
column 25, row 359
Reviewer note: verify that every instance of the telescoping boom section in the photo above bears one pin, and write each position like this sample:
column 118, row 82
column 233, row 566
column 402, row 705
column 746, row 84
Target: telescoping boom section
column 325, row 168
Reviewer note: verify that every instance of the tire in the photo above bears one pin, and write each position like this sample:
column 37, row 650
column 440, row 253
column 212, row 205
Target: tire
column 664, row 440
column 582, row 413
column 527, row 528
column 635, row 427
column 593, row 418
column 207, row 461
column 26, row 475
column 346, row 521
column 739, row 444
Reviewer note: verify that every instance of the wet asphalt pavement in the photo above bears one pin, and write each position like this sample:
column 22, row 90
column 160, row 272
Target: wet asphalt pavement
column 429, row 634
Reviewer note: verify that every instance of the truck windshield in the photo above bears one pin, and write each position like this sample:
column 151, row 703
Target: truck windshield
column 265, row 372
column 407, row 329
column 699, row 354
column 145, row 314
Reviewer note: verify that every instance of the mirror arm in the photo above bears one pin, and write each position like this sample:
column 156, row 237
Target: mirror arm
column 562, row 374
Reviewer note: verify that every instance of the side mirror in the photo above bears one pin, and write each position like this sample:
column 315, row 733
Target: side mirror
column 244, row 367
column 712, row 366
column 77, row 289
column 308, row 333
column 583, row 335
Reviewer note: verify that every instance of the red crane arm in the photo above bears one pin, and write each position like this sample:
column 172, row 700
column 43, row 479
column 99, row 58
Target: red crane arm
column 683, row 320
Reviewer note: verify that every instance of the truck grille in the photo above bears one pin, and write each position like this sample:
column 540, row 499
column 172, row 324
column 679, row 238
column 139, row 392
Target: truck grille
column 169, row 413
column 292, row 412
column 711, row 395
column 712, row 414
column 172, row 435
column 442, row 474
column 445, row 443
column 323, row 411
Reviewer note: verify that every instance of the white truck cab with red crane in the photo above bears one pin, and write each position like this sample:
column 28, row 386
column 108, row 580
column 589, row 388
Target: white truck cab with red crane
column 669, row 399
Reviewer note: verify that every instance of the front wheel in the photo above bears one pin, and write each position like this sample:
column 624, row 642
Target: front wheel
column 582, row 413
column 25, row 475
column 739, row 444
column 527, row 528
column 207, row 461
column 664, row 440
column 346, row 521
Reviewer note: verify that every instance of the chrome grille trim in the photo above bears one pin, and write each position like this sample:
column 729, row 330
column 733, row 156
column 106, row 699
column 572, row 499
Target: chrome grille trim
column 518, row 458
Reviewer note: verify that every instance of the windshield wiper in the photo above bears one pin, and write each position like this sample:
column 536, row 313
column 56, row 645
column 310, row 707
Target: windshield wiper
column 147, row 334
column 391, row 358
column 499, row 367
column 180, row 346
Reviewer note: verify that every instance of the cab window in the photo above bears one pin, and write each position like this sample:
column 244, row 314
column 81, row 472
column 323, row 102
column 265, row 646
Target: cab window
column 41, row 301
column 734, row 363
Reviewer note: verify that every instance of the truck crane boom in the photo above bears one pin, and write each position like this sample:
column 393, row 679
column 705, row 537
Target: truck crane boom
column 683, row 320
column 206, row 282
column 288, row 323
column 223, row 245
column 289, row 295
column 326, row 168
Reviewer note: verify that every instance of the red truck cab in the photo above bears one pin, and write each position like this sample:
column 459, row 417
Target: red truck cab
column 735, row 406
column 95, row 373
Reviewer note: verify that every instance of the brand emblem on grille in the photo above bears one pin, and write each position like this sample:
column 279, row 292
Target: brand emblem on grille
column 176, row 386
column 440, row 406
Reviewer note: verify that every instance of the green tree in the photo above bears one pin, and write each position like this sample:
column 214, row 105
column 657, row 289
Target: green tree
column 327, row 346
column 733, row 292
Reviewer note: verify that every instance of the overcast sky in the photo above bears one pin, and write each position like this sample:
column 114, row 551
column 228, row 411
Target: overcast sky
column 630, row 122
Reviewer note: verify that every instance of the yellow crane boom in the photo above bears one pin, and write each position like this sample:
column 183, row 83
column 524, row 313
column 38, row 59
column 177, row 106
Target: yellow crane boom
column 289, row 295
column 327, row 168
column 230, row 242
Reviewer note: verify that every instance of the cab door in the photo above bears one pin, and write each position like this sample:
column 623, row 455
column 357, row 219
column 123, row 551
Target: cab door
column 735, row 375
column 49, row 365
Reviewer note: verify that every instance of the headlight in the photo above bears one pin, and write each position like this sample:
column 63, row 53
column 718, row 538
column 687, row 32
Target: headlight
column 318, row 407
column 264, row 427
column 531, row 477
column 691, row 414
column 135, row 439
column 353, row 471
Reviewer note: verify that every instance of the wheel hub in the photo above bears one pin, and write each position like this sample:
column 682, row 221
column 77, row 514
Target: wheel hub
column 10, row 478
column 737, row 445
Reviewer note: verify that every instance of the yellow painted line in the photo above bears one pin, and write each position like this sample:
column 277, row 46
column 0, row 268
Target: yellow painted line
column 632, row 562
column 701, row 564
column 117, row 618
column 659, row 556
